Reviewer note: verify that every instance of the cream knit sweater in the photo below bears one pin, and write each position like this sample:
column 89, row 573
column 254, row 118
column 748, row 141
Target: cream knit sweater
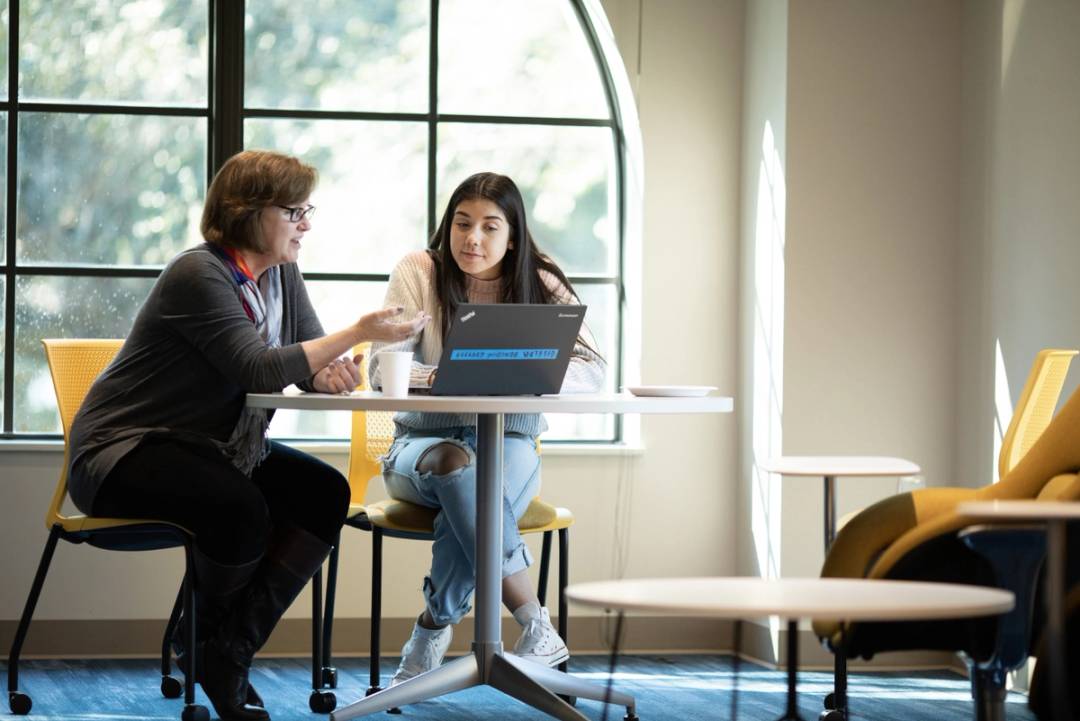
column 412, row 286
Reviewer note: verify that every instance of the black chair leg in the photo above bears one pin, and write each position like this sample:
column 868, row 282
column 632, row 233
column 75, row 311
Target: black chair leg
column 376, row 609
column 170, row 686
column 988, row 691
column 836, row 702
column 545, row 563
column 329, row 673
column 192, row 711
column 316, row 630
column 319, row 701
column 20, row 703
column 564, row 579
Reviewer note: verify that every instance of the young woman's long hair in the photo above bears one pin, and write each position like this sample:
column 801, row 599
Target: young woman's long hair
column 521, row 265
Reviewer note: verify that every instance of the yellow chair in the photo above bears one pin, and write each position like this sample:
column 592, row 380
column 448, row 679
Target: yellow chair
column 372, row 434
column 74, row 364
column 919, row 536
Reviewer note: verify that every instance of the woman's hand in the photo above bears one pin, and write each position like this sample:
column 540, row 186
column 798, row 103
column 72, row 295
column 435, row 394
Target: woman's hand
column 340, row 376
column 381, row 325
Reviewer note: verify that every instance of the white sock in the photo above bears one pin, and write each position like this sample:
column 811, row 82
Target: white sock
column 526, row 612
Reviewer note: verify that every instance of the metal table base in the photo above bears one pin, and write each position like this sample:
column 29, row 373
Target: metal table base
column 489, row 665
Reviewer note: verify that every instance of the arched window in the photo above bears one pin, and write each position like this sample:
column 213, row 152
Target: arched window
column 124, row 112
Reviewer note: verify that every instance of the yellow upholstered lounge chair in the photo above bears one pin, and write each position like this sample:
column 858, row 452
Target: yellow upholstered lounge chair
column 372, row 434
column 917, row 536
column 74, row 364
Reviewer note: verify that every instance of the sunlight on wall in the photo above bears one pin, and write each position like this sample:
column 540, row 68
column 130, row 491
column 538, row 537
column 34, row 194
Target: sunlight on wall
column 1003, row 407
column 1011, row 13
column 768, row 353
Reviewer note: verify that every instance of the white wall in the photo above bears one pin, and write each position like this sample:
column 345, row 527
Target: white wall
column 931, row 171
column 873, row 122
column 856, row 352
column 687, row 80
column 674, row 500
column 1021, row 240
column 761, row 284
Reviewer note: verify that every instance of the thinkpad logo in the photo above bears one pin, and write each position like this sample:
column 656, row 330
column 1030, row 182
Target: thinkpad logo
column 568, row 315
column 468, row 316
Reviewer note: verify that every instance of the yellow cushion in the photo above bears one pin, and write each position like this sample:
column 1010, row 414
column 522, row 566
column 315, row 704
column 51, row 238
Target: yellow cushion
column 868, row 534
column 1065, row 487
column 80, row 523
column 403, row 516
column 887, row 531
column 875, row 538
column 537, row 515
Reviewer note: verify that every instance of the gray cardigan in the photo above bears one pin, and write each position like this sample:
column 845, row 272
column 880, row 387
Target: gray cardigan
column 185, row 368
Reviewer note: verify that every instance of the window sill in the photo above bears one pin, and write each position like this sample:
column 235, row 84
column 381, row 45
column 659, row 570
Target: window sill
column 341, row 448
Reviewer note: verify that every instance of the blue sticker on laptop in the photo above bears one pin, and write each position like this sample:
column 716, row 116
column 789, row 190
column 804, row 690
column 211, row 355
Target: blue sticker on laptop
column 503, row 354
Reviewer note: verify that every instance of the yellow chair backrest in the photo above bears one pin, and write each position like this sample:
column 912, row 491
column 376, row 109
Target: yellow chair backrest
column 1036, row 406
column 1054, row 453
column 74, row 365
column 372, row 434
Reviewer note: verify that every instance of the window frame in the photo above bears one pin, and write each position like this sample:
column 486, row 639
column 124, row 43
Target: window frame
column 225, row 115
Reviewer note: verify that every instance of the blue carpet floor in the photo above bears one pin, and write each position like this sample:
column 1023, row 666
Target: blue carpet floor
column 666, row 687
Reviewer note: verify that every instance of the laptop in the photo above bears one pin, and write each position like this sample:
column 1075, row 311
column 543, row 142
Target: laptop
column 507, row 349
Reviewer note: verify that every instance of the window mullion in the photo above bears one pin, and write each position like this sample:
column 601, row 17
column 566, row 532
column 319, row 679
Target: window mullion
column 433, row 114
column 227, row 82
column 10, row 215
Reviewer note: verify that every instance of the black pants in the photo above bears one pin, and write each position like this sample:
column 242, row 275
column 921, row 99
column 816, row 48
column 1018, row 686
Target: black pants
column 232, row 516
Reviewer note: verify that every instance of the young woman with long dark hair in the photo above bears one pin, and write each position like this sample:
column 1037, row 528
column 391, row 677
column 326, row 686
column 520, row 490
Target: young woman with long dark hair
column 482, row 252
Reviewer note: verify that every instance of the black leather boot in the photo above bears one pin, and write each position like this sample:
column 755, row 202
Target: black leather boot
column 286, row 569
column 252, row 698
column 218, row 588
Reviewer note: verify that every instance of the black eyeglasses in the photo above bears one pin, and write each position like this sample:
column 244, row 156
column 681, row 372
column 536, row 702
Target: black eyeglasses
column 298, row 214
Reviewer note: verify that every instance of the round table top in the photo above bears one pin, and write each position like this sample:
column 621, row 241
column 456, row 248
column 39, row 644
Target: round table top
column 840, row 599
column 840, row 466
column 567, row 403
column 1020, row 510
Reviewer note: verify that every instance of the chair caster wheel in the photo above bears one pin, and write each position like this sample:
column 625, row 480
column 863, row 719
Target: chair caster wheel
column 171, row 687
column 830, row 701
column 195, row 712
column 572, row 700
column 19, row 703
column 394, row 710
column 329, row 677
column 630, row 716
column 832, row 715
column 372, row 689
column 322, row 701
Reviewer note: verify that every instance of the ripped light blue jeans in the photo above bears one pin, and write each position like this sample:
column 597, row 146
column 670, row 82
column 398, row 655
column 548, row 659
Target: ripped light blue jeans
column 449, row 586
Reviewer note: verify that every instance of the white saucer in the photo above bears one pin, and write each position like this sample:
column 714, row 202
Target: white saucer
column 681, row 391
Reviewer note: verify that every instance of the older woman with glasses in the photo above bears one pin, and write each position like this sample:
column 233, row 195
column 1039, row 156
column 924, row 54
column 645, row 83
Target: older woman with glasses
column 164, row 432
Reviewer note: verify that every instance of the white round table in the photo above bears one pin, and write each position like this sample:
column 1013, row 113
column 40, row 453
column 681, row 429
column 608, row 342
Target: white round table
column 792, row 599
column 529, row 682
column 832, row 467
column 1055, row 515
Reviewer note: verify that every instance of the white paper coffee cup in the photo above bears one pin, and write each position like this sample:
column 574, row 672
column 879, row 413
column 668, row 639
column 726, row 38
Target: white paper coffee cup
column 394, row 367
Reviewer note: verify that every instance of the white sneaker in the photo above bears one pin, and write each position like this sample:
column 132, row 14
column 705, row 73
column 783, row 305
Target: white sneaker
column 422, row 652
column 539, row 641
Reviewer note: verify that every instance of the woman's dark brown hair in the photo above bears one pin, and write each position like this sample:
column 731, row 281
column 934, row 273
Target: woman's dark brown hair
column 247, row 184
column 521, row 265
